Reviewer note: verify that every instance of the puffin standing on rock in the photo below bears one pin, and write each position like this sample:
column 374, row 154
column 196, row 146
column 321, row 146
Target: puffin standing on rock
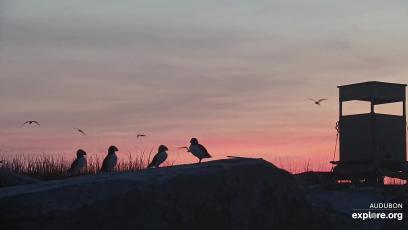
column 160, row 157
column 110, row 160
column 198, row 150
column 78, row 164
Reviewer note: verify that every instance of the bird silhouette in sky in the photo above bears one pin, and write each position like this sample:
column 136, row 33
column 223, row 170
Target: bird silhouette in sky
column 317, row 102
column 140, row 135
column 79, row 163
column 81, row 131
column 160, row 157
column 110, row 160
column 198, row 150
column 31, row 122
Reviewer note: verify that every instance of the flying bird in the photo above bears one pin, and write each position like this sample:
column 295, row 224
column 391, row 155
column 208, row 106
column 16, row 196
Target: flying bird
column 79, row 163
column 31, row 122
column 317, row 102
column 140, row 135
column 110, row 160
column 160, row 157
column 198, row 150
column 81, row 131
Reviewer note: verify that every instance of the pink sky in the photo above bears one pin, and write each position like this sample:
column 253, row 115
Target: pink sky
column 236, row 76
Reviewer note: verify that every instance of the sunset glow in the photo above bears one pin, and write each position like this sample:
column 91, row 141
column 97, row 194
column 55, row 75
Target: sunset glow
column 205, row 69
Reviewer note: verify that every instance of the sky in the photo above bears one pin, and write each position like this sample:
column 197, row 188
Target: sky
column 235, row 74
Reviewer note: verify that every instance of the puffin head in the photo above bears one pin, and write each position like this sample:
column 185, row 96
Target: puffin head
column 194, row 141
column 163, row 148
column 80, row 153
column 112, row 149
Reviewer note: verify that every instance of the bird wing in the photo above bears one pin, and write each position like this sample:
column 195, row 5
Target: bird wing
column 204, row 150
column 105, row 164
column 312, row 99
column 73, row 165
column 154, row 161
column 323, row 99
column 36, row 122
column 80, row 130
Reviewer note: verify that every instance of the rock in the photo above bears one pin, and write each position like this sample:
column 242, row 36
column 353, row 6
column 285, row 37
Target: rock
column 400, row 195
column 10, row 179
column 314, row 178
column 224, row 194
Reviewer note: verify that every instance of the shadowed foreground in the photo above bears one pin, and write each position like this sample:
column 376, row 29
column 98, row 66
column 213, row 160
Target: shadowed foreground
column 223, row 194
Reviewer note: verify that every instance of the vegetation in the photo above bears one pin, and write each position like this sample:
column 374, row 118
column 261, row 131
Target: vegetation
column 49, row 167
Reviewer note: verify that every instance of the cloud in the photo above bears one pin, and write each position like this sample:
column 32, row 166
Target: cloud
column 209, row 68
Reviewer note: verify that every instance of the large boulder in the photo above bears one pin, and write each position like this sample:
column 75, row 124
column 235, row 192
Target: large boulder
column 224, row 194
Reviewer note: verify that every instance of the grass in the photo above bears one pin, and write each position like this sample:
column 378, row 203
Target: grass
column 296, row 166
column 49, row 167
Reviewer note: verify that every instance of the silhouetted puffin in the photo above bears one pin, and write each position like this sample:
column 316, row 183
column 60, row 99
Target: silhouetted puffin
column 79, row 163
column 110, row 160
column 160, row 157
column 198, row 150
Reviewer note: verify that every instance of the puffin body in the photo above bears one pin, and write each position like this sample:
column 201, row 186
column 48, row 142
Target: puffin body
column 160, row 157
column 78, row 164
column 198, row 150
column 110, row 160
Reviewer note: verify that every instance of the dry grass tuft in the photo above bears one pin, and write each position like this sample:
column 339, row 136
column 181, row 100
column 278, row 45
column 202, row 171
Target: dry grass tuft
column 49, row 167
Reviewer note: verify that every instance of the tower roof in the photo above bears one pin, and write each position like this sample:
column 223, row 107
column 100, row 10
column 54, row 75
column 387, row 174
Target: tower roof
column 375, row 91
